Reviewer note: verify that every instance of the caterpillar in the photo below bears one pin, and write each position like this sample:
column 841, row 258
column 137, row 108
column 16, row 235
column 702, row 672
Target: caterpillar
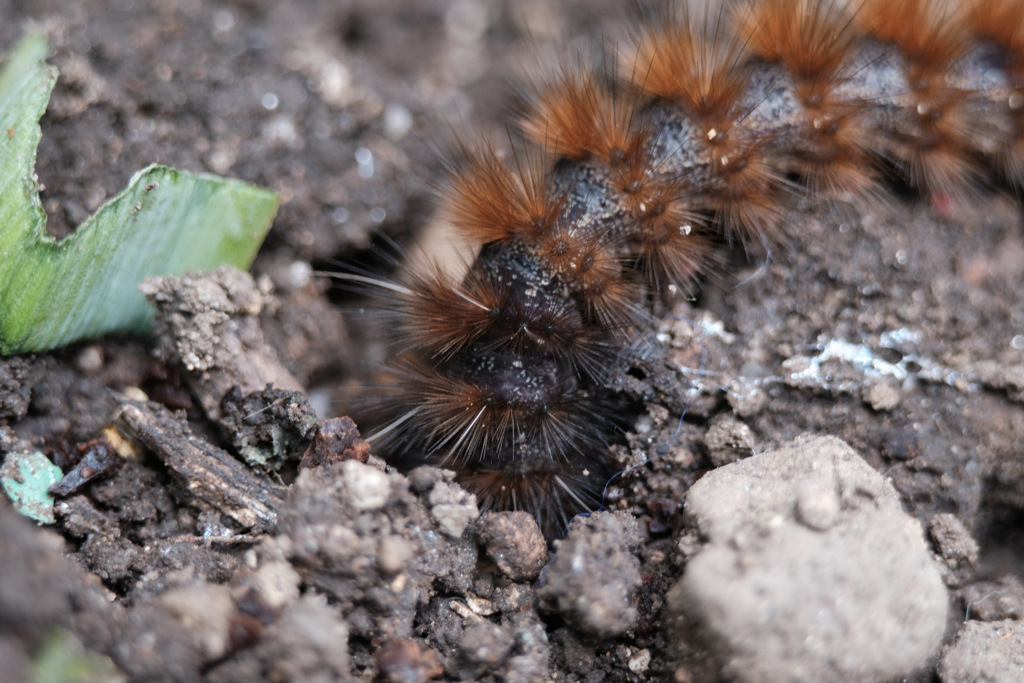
column 715, row 122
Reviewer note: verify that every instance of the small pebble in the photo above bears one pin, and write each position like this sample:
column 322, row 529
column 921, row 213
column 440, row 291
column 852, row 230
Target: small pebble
column 394, row 552
column 369, row 486
column 883, row 397
column 595, row 574
column 514, row 542
column 639, row 662
column 817, row 507
column 90, row 359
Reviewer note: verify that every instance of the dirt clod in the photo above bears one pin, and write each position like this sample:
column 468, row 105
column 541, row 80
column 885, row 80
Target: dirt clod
column 985, row 652
column 483, row 646
column 595, row 574
column 452, row 508
column 347, row 528
column 209, row 324
column 308, row 643
column 995, row 600
column 269, row 427
column 882, row 396
column 17, row 377
column 154, row 645
column 204, row 609
column 956, row 547
column 728, row 440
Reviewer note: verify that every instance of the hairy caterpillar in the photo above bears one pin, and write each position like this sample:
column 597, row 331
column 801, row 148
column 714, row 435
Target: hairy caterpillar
column 717, row 122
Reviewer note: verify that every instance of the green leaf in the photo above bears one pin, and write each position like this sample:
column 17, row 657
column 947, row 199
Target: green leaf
column 165, row 222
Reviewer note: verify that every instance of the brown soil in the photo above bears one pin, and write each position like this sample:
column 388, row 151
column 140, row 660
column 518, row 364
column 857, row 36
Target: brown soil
column 899, row 332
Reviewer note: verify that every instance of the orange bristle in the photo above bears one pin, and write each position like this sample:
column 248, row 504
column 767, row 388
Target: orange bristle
column 490, row 201
column 814, row 39
column 937, row 157
column 562, row 247
column 835, row 157
column 696, row 64
column 457, row 412
column 1002, row 23
column 930, row 33
column 932, row 148
column 646, row 191
column 745, row 189
column 672, row 245
column 442, row 316
column 577, row 116
column 702, row 67
column 473, row 419
column 526, row 327
column 606, row 293
column 587, row 263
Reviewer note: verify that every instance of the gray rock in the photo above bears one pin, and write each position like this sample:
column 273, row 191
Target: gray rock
column 358, row 536
column 812, row 570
